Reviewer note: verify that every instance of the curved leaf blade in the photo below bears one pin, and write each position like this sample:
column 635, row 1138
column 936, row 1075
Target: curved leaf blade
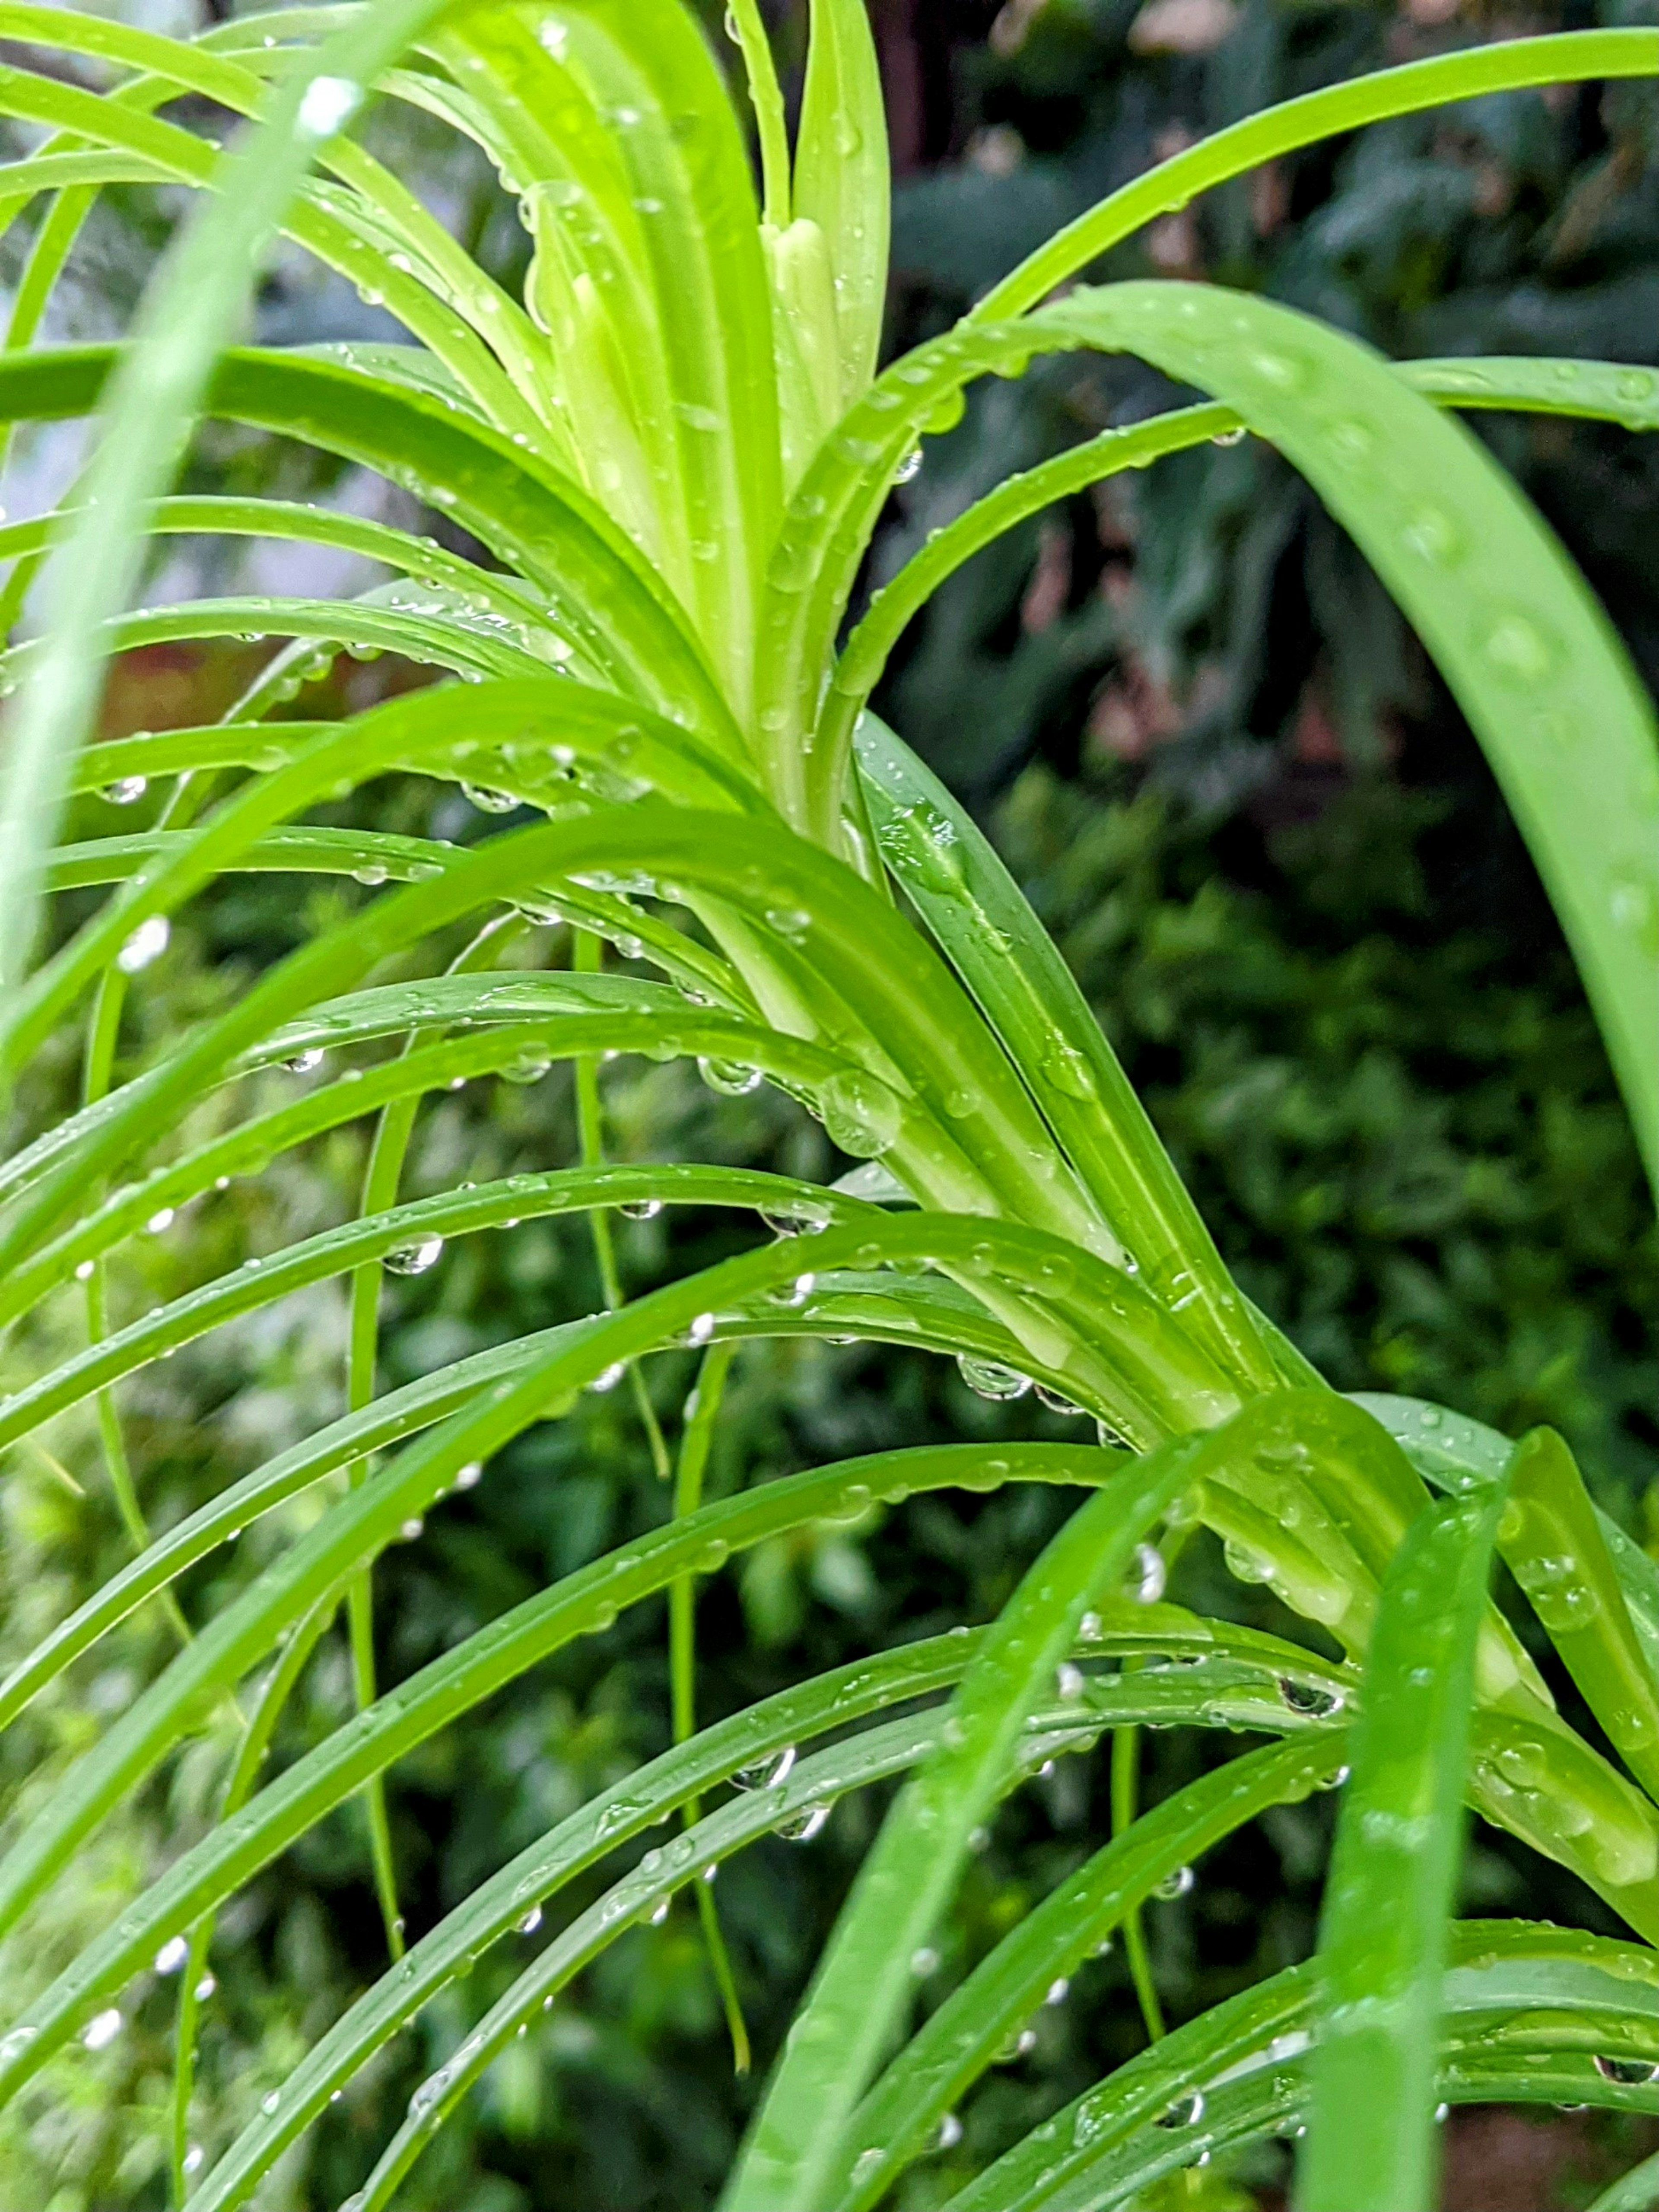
column 1388, row 1896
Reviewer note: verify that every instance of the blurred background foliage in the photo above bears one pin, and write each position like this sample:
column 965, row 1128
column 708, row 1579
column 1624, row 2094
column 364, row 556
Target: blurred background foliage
column 1236, row 792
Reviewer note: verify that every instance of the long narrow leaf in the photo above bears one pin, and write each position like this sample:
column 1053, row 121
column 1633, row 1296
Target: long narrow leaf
column 1390, row 1893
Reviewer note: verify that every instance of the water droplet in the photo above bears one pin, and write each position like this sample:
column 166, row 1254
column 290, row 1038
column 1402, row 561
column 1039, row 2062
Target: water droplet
column 205, row 1988
column 469, row 1477
column 192, row 2159
column 642, row 1209
column 1516, row 647
column 1561, row 1593
column 702, row 1328
column 147, row 943
column 729, row 1076
column 924, row 1961
column 528, row 1067
column 1433, row 535
column 409, row 1529
column 1057, row 1991
column 487, row 801
column 608, row 1377
column 1056, row 1404
column 1627, row 2070
column 1148, row 1575
column 162, row 1218
column 1309, row 1697
column 910, row 467
column 1248, row 1566
column 172, row 1955
column 327, row 105
column 861, row 1115
column 801, row 1827
column 949, row 2132
column 793, row 1294
column 101, row 2029
column 1179, row 1883
column 530, row 1922
column 803, row 1219
column 85, row 1269
column 1070, row 1681
column 303, row 1063
column 1186, row 2112
column 126, row 790
column 14, row 2044
column 414, row 1259
column 988, row 1378
column 268, row 2104
column 766, row 1774
column 1229, row 437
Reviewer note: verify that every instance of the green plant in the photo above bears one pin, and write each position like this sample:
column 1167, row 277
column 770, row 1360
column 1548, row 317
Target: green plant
column 673, row 451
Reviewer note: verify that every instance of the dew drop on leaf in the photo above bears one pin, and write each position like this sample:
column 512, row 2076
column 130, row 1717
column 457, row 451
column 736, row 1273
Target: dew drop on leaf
column 487, row 801
column 1177, row 1883
column 1628, row 2071
column 414, row 1259
column 1186, row 2112
column 1148, row 1575
column 766, row 1774
column 801, row 1827
column 728, row 1077
column 642, row 1209
column 126, row 790
column 988, row 1378
column 1308, row 1697
column 147, row 943
column 101, row 2029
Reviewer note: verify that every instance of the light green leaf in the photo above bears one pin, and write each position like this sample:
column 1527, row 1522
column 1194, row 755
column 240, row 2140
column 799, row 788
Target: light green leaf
column 841, row 178
column 1390, row 1893
column 1503, row 65
column 881, row 1942
column 154, row 397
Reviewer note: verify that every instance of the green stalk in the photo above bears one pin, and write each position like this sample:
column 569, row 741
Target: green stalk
column 589, row 960
column 701, row 1411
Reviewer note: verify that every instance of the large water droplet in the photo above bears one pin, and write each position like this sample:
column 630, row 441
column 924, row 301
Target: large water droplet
column 1516, row 648
column 487, row 801
column 801, row 1827
column 147, row 943
column 729, row 1076
column 1308, row 1697
column 861, row 1115
column 1185, row 2113
column 414, row 1259
column 766, row 1774
column 126, row 790
column 1177, row 1883
column 1148, row 1575
column 101, row 2029
column 989, row 1378
column 1629, row 2071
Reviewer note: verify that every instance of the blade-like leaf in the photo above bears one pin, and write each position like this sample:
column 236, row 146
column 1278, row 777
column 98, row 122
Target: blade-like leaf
column 1389, row 1894
column 1528, row 654
column 841, row 178
column 871, row 1965
column 188, row 315
column 1504, row 66
column 963, row 2037
column 993, row 939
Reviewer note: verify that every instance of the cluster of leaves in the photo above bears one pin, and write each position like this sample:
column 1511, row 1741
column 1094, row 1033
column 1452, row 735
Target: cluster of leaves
column 668, row 696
